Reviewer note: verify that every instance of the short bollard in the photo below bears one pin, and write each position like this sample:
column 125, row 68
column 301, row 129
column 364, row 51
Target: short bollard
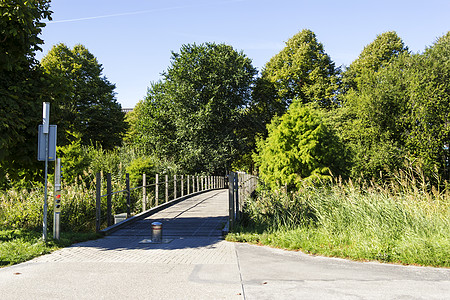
column 156, row 232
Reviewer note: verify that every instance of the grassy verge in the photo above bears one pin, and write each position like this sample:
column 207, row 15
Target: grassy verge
column 387, row 224
column 17, row 246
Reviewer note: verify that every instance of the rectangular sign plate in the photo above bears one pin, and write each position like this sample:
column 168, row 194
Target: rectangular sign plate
column 51, row 143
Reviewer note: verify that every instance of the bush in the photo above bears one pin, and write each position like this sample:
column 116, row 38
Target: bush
column 299, row 147
column 139, row 166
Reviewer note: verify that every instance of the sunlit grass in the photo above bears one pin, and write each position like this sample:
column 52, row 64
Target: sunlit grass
column 398, row 223
column 17, row 246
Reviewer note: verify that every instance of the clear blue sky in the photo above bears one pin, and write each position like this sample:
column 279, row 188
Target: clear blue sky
column 133, row 39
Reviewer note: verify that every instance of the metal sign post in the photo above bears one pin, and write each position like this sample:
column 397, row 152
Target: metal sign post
column 45, row 130
column 46, row 152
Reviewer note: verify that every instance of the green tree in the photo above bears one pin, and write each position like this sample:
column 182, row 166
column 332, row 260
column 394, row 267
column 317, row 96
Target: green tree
column 192, row 117
column 429, row 107
column 302, row 70
column 85, row 99
column 20, row 27
column 371, row 119
column 23, row 87
column 379, row 53
column 299, row 147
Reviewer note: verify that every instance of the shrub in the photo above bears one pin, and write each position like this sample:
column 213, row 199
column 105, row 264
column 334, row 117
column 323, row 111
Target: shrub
column 299, row 147
column 139, row 166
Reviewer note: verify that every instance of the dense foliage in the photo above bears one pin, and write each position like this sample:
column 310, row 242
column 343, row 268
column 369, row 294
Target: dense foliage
column 23, row 87
column 193, row 116
column 391, row 108
column 299, row 147
column 84, row 99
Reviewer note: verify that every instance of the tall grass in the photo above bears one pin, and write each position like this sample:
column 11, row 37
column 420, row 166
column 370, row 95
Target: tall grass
column 23, row 208
column 403, row 221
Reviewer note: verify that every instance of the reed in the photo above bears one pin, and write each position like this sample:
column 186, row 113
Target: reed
column 403, row 220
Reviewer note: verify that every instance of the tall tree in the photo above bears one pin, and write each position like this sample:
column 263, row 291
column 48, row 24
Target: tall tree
column 429, row 107
column 85, row 99
column 302, row 70
column 194, row 114
column 23, row 86
column 379, row 53
column 374, row 102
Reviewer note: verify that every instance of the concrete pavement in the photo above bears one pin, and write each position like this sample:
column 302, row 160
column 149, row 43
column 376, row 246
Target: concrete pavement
column 198, row 264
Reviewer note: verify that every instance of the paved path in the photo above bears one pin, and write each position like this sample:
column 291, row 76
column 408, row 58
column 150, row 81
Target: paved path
column 198, row 264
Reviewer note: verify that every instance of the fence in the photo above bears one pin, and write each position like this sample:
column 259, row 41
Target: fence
column 179, row 186
column 240, row 186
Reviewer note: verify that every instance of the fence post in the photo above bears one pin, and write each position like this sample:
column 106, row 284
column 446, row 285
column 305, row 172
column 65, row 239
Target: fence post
column 182, row 185
column 144, row 192
column 231, row 199
column 198, row 184
column 236, row 195
column 187, row 183
column 156, row 190
column 127, row 182
column 108, row 199
column 174, row 186
column 167, row 188
column 98, row 195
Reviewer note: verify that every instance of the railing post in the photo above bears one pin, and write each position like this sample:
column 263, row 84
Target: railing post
column 174, row 186
column 187, row 183
column 236, row 195
column 98, row 195
column 127, row 182
column 167, row 188
column 231, row 199
column 108, row 199
column 182, row 185
column 144, row 192
column 156, row 190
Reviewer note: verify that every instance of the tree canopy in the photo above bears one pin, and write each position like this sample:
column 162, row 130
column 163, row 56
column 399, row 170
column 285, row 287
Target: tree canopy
column 85, row 99
column 302, row 70
column 23, row 86
column 193, row 115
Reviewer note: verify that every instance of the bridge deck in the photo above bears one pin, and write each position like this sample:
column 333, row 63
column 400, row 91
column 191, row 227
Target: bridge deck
column 203, row 215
